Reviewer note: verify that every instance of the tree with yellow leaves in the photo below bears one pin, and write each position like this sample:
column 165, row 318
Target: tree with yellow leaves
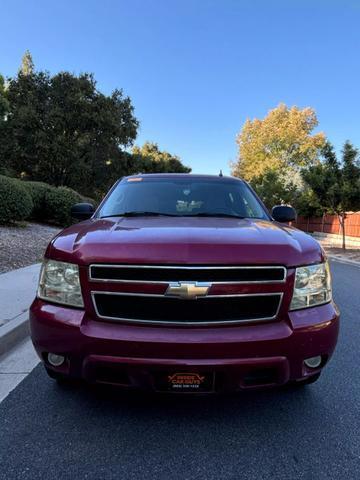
column 281, row 140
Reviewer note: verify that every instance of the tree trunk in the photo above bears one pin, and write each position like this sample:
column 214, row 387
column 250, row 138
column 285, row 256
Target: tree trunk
column 342, row 225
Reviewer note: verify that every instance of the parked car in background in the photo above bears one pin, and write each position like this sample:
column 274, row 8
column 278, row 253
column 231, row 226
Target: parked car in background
column 184, row 283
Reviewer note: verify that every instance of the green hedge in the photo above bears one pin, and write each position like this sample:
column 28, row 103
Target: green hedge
column 23, row 200
column 37, row 191
column 58, row 203
column 15, row 201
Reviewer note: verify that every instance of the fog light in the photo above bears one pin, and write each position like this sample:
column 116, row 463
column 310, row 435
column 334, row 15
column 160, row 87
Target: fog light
column 55, row 360
column 313, row 362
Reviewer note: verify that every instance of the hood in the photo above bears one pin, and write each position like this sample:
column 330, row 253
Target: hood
column 192, row 240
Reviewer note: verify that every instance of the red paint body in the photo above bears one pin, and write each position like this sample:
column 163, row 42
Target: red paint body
column 137, row 352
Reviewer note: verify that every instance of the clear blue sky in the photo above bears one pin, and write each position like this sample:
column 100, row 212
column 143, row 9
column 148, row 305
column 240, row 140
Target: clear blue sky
column 195, row 70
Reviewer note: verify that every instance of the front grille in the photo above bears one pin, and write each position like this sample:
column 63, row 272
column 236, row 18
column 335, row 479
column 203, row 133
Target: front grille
column 166, row 274
column 207, row 310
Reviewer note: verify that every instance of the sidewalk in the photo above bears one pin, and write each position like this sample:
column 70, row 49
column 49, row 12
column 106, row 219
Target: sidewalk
column 17, row 291
column 351, row 257
column 16, row 365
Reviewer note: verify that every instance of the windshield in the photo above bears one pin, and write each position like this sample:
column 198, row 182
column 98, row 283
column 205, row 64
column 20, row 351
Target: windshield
column 137, row 196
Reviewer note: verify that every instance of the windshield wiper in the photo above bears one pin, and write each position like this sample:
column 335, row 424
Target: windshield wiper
column 210, row 214
column 139, row 214
column 160, row 214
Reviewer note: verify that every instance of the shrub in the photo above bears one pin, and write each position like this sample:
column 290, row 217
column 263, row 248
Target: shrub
column 58, row 203
column 20, row 200
column 15, row 201
column 38, row 191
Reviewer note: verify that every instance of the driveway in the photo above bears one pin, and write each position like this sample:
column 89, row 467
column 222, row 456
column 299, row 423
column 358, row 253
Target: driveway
column 76, row 432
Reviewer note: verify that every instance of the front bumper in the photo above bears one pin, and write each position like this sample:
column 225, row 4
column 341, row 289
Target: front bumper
column 241, row 356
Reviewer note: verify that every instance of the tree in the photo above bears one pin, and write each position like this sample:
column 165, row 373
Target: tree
column 27, row 64
column 282, row 139
column 274, row 188
column 336, row 185
column 24, row 131
column 350, row 177
column 307, row 203
column 4, row 107
column 150, row 159
column 4, row 104
column 63, row 131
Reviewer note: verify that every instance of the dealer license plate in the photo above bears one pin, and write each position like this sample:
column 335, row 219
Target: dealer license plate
column 186, row 382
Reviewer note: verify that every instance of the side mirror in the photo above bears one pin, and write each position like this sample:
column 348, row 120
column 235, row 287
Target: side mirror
column 82, row 211
column 283, row 213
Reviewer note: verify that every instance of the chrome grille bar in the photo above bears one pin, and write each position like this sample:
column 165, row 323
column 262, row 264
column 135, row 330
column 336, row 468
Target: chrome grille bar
column 169, row 322
column 97, row 273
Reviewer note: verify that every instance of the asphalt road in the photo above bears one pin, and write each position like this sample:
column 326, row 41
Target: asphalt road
column 77, row 432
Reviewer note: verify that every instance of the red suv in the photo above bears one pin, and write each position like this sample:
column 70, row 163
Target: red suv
column 184, row 283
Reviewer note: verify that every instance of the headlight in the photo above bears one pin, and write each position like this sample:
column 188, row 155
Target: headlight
column 312, row 286
column 60, row 283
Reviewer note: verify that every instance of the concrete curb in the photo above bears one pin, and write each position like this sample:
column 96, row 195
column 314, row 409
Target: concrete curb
column 13, row 332
column 334, row 258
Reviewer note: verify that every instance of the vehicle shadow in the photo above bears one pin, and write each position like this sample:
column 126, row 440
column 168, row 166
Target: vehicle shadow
column 254, row 403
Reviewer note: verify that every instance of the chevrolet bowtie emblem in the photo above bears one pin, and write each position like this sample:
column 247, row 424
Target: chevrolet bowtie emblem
column 188, row 290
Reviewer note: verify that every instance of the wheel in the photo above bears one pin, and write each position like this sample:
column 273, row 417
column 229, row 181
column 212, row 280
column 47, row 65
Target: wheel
column 308, row 381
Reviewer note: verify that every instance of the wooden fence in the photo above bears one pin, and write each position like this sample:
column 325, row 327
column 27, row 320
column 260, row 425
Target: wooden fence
column 330, row 224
